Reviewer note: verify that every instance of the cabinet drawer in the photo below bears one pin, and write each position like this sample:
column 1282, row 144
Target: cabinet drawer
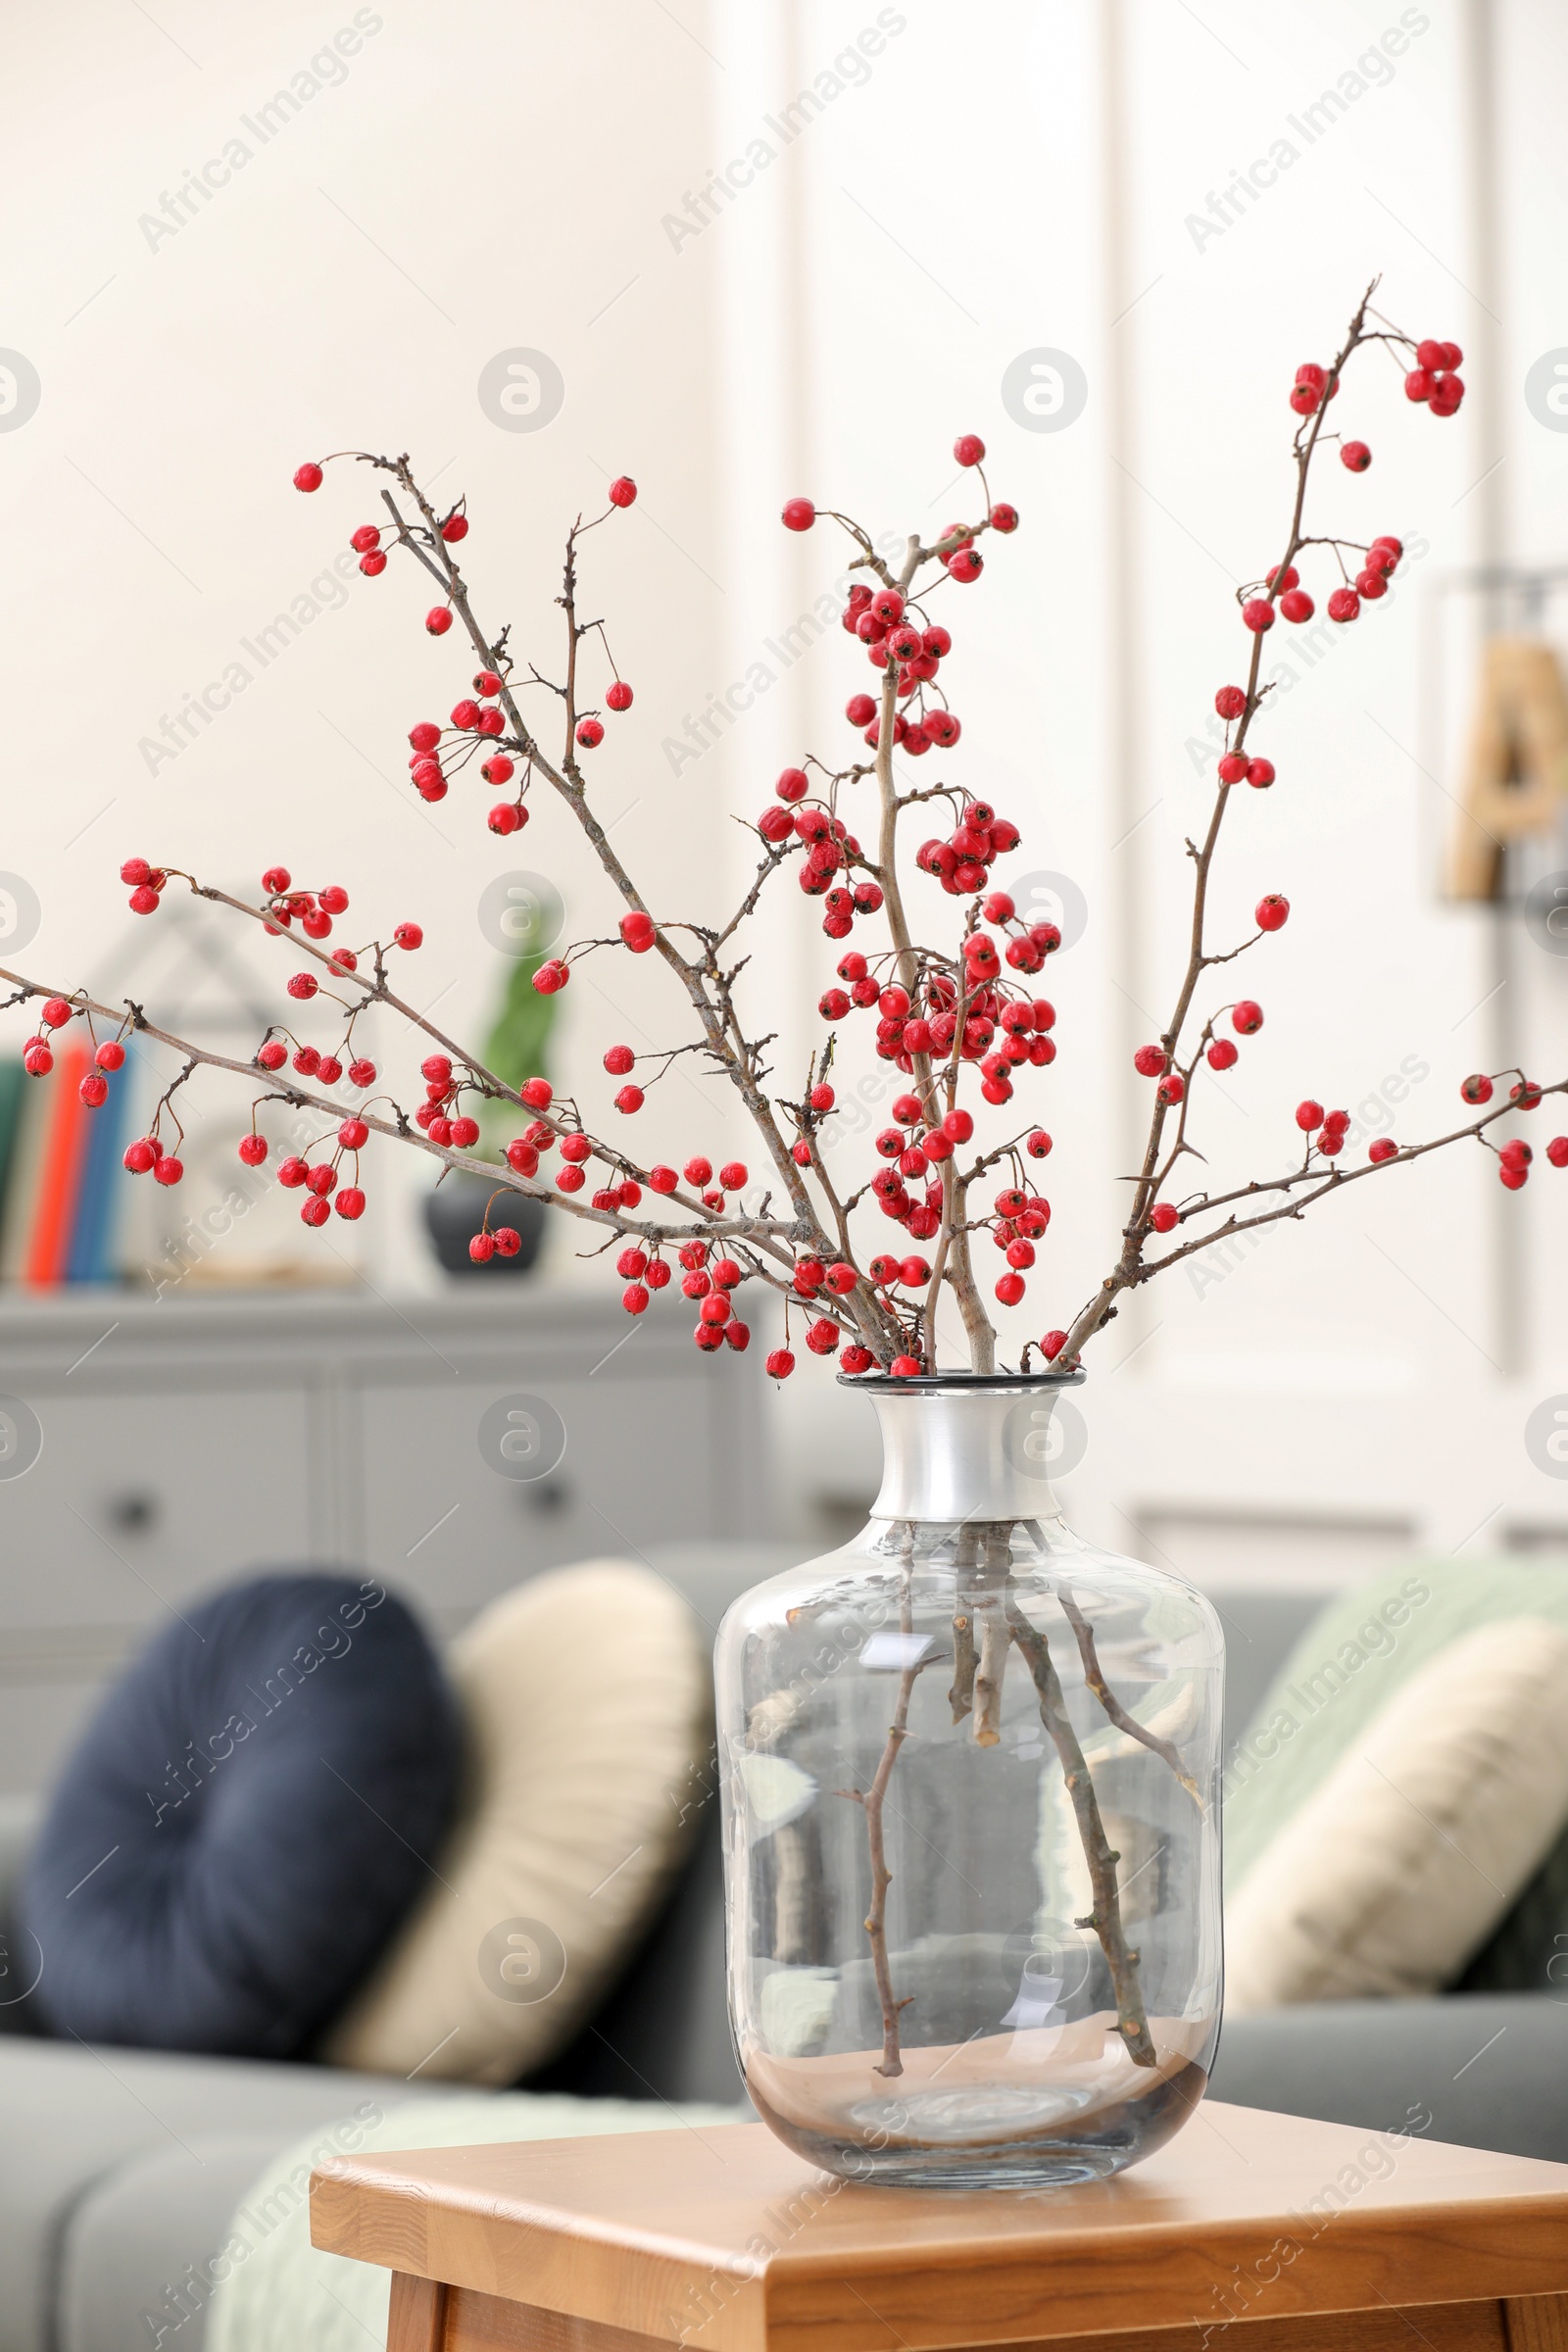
column 141, row 1501
column 443, row 1522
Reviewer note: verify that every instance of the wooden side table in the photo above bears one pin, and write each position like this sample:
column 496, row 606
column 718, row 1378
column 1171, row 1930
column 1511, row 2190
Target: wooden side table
column 1251, row 2232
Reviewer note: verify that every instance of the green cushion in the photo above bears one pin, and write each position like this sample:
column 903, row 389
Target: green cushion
column 1347, row 1665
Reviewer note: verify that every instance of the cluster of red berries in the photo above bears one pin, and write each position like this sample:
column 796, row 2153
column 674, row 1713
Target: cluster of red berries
column 1331, row 1128
column 1021, row 1219
column 1284, row 589
column 476, row 719
column 828, row 847
column 1434, row 381
column 879, row 618
column 962, row 862
column 1515, row 1156
column 708, row 1276
column 147, row 885
column 930, row 1021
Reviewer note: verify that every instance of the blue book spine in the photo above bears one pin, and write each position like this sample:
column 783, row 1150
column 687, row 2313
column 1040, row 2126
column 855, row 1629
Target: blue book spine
column 90, row 1257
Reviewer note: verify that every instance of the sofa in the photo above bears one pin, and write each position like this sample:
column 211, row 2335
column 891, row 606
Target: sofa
column 120, row 2167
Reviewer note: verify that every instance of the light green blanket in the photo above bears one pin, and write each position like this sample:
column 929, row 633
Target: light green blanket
column 1346, row 1666
column 275, row 2293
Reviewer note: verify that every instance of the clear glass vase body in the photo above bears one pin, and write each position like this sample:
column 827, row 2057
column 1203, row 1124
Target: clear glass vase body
column 971, row 1821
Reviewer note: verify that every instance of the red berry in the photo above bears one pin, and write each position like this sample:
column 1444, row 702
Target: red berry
column 1271, row 912
column 590, row 733
column 308, row 476
column 353, row 1133
column 1221, row 1055
column 1513, row 1175
column 1171, row 1088
column 822, row 1098
column 1259, row 614
column 94, row 1091
column 438, row 620
column 780, row 1363
column 630, row 1099
column 1230, row 703
column 1357, row 456
column 272, row 1055
column 167, row 1170
column 1477, row 1088
column 1557, row 1150
column 481, row 1249
column 1384, row 1148
column 857, row 1358
column 637, row 930
column 1297, row 605
column 1343, row 605
column 135, row 869
column 253, row 1150
column 140, row 1155
column 111, row 1055
column 733, row 1175
column 698, row 1171
column 1151, row 1061
column 965, row 564
column 799, row 514
column 619, row 696
column 1308, row 1114
column 304, row 986
column 1004, row 517
column 1247, row 1017
column 662, row 1180
column 144, row 901
column 350, row 1203
column 1233, row 766
column 1010, row 1289
column 715, row 1308
column 367, row 539
column 315, row 1211
column 969, row 449
column 1260, row 773
column 410, row 936
column 822, row 1336
column 505, row 817
column 618, row 1060
column 1163, row 1217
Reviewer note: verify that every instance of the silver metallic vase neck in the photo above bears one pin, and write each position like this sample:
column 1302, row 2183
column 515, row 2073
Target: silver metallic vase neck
column 968, row 1446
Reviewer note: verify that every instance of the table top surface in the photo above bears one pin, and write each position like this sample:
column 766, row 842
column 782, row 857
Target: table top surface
column 723, row 2238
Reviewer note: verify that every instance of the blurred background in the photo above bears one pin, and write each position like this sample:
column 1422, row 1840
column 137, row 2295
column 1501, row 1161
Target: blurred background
column 739, row 253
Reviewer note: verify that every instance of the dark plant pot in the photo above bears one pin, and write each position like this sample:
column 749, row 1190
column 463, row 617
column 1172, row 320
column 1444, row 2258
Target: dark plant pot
column 455, row 1212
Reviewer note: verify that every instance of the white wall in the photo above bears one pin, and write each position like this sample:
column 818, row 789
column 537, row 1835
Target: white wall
column 988, row 185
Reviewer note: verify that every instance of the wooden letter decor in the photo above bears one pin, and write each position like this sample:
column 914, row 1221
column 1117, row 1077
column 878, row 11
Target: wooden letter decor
column 1515, row 780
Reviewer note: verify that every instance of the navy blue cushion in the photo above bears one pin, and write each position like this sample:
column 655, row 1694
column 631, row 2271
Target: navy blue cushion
column 251, row 1814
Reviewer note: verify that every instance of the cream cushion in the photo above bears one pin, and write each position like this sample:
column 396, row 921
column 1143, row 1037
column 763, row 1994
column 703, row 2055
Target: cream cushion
column 587, row 1694
column 1403, row 1859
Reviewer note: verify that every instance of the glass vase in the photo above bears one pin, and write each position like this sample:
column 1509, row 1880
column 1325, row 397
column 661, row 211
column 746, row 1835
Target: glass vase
column 970, row 1772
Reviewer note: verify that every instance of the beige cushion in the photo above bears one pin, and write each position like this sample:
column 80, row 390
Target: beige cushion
column 588, row 1698
column 1403, row 1860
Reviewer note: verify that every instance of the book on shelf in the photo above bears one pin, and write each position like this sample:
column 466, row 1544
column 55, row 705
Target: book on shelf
column 60, row 1198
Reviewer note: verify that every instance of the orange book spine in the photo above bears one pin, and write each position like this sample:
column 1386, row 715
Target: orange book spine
column 60, row 1177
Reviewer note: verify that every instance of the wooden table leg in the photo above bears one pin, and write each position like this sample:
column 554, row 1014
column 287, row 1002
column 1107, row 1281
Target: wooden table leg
column 416, row 2319
column 1536, row 2322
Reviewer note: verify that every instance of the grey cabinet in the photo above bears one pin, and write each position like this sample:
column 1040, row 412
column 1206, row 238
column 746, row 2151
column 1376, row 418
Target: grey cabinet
column 188, row 1442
